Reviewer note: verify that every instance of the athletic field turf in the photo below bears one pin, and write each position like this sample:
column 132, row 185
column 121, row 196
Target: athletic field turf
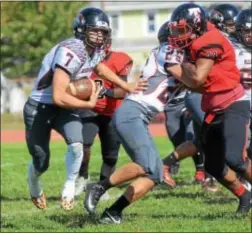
column 186, row 208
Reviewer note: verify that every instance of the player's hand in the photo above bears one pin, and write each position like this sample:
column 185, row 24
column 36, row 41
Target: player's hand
column 95, row 94
column 138, row 86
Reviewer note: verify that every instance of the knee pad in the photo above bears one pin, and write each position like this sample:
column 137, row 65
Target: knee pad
column 40, row 158
column 237, row 164
column 76, row 150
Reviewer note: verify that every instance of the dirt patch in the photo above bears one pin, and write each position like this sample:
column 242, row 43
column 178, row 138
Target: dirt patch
column 12, row 136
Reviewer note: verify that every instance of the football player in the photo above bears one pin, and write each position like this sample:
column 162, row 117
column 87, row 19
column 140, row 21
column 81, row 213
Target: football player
column 179, row 124
column 243, row 44
column 223, row 17
column 99, row 121
column 217, row 77
column 131, row 122
column 50, row 107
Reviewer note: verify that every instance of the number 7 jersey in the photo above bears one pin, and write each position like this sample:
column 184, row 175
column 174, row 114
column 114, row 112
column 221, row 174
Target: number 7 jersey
column 162, row 86
column 69, row 55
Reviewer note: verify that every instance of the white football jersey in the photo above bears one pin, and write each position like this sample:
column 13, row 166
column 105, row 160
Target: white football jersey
column 71, row 56
column 162, row 86
column 243, row 62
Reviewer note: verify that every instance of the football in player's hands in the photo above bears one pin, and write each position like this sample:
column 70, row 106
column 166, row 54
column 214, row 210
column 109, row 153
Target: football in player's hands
column 81, row 88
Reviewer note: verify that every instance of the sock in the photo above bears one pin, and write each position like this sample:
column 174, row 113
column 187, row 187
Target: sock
column 34, row 181
column 240, row 191
column 119, row 205
column 199, row 162
column 85, row 163
column 74, row 157
column 170, row 160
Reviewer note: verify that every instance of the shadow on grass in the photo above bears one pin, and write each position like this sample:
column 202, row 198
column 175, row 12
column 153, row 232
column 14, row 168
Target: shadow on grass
column 75, row 220
column 11, row 199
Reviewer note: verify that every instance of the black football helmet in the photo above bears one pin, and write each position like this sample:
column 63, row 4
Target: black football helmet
column 163, row 33
column 91, row 19
column 223, row 17
column 188, row 21
column 243, row 27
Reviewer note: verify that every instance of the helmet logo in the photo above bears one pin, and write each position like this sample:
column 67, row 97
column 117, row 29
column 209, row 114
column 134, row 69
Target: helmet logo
column 81, row 19
column 102, row 24
column 195, row 12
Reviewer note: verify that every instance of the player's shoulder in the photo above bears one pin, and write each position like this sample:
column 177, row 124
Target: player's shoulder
column 209, row 38
column 76, row 46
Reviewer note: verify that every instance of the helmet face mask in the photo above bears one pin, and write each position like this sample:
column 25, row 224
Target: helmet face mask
column 181, row 34
column 95, row 37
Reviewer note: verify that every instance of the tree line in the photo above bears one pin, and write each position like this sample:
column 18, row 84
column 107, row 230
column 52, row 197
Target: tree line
column 29, row 30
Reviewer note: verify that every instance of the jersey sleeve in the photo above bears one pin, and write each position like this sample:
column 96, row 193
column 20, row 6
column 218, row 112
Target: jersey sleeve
column 168, row 55
column 210, row 46
column 67, row 60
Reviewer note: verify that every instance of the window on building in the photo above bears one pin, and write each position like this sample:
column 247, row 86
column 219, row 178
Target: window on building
column 114, row 21
column 151, row 22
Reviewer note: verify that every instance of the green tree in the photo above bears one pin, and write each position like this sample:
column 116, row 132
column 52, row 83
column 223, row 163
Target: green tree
column 29, row 30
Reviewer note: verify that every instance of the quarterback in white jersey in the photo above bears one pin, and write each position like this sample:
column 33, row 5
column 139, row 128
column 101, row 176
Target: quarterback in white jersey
column 51, row 107
column 131, row 122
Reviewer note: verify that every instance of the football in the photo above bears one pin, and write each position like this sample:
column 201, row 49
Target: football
column 81, row 88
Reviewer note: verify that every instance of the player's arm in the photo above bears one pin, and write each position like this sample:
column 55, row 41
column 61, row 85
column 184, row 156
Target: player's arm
column 123, row 69
column 115, row 92
column 104, row 72
column 192, row 76
column 62, row 98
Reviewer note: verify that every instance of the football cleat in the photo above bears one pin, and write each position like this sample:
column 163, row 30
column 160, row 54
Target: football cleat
column 109, row 218
column 244, row 203
column 105, row 196
column 93, row 194
column 209, row 184
column 39, row 202
column 66, row 203
column 167, row 179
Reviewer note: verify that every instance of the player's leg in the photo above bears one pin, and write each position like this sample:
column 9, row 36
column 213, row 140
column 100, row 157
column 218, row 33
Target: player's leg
column 175, row 127
column 110, row 145
column 193, row 105
column 68, row 124
column 89, row 131
column 214, row 144
column 140, row 147
column 144, row 153
column 37, row 118
column 235, row 135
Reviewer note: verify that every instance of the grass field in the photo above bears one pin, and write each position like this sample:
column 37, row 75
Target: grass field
column 184, row 209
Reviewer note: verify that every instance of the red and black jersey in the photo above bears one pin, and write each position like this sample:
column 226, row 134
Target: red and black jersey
column 120, row 63
column 224, row 76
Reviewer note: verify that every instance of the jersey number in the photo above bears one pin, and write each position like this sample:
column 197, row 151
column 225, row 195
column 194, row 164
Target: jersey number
column 69, row 59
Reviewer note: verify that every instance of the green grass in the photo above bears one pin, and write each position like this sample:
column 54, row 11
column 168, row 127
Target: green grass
column 186, row 208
